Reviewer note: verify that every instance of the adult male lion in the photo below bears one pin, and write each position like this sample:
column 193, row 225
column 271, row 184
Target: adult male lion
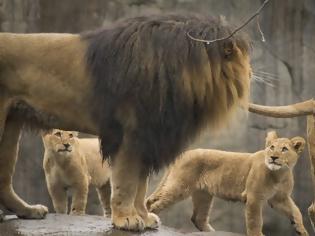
column 142, row 85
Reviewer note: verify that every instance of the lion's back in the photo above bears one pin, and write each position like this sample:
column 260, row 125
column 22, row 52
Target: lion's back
column 222, row 173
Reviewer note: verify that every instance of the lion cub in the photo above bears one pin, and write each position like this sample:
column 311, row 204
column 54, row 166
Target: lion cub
column 264, row 176
column 72, row 164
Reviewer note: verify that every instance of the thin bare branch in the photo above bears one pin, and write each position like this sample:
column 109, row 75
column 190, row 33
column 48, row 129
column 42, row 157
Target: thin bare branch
column 235, row 31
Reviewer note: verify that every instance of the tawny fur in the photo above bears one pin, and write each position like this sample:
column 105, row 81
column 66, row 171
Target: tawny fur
column 247, row 177
column 71, row 165
column 142, row 85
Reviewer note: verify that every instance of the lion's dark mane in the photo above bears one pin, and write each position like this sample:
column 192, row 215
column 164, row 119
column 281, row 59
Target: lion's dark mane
column 139, row 63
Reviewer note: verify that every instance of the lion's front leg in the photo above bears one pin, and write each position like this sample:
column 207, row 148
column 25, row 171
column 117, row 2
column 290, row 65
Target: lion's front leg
column 125, row 177
column 253, row 216
column 151, row 220
column 8, row 156
column 287, row 206
column 79, row 198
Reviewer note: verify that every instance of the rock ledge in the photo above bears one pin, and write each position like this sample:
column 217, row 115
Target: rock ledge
column 60, row 225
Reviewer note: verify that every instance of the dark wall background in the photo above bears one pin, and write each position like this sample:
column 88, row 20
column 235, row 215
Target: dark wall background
column 286, row 59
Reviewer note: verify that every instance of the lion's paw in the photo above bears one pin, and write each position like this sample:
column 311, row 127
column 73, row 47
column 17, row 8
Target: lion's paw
column 34, row 212
column 152, row 221
column 131, row 223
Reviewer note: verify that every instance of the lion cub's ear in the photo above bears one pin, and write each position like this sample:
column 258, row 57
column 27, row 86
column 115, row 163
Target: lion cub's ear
column 298, row 144
column 271, row 135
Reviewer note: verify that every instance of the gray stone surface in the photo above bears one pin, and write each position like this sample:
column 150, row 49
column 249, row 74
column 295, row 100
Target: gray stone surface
column 60, row 225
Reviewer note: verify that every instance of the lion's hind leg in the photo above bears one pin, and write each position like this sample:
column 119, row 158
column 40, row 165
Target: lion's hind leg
column 202, row 202
column 104, row 193
column 8, row 157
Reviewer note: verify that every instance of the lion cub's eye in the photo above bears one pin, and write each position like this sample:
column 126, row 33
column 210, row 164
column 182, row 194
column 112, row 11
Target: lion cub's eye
column 58, row 134
column 71, row 135
column 272, row 147
column 284, row 149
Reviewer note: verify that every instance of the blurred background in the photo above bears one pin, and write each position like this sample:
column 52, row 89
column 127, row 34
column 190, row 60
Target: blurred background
column 285, row 62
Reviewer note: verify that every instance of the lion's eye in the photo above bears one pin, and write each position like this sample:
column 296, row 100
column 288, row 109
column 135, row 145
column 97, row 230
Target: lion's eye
column 284, row 149
column 272, row 147
column 71, row 135
column 58, row 134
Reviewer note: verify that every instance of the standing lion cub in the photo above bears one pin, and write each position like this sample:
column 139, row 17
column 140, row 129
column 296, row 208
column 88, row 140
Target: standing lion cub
column 264, row 176
column 72, row 164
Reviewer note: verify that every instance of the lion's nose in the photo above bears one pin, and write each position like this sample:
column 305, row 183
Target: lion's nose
column 66, row 145
column 274, row 158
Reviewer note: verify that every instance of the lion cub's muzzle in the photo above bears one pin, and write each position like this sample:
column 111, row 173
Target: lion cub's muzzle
column 67, row 148
column 273, row 163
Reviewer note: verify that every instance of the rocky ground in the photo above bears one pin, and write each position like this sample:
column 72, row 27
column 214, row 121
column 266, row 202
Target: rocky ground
column 60, row 225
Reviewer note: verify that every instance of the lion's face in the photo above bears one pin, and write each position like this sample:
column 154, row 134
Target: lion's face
column 283, row 152
column 236, row 68
column 60, row 141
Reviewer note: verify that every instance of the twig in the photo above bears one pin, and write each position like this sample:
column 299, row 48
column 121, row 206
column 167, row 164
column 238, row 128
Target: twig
column 235, row 31
column 260, row 31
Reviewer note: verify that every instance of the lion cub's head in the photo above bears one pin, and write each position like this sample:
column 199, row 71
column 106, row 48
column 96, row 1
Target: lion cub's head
column 282, row 152
column 59, row 141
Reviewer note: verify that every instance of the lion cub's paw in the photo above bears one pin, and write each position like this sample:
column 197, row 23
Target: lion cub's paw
column 77, row 213
column 152, row 221
column 34, row 212
column 131, row 223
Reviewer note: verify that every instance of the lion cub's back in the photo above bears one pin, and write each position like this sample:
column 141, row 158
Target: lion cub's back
column 223, row 173
column 99, row 171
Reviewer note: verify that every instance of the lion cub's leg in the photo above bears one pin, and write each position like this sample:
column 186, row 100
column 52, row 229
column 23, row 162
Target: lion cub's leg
column 8, row 157
column 1, row 216
column 202, row 202
column 104, row 193
column 5, row 104
column 287, row 206
column 79, row 198
column 253, row 215
column 171, row 191
column 125, row 177
column 151, row 220
column 311, row 214
column 58, row 196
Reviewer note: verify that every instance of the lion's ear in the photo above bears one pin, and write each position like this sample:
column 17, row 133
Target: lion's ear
column 271, row 135
column 298, row 144
column 45, row 132
column 228, row 48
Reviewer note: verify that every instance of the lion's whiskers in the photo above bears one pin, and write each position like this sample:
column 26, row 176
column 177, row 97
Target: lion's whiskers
column 267, row 74
column 263, row 80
